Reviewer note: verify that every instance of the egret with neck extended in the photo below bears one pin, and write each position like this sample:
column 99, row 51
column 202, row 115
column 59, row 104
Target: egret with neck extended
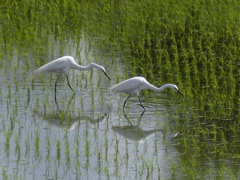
column 62, row 65
column 136, row 84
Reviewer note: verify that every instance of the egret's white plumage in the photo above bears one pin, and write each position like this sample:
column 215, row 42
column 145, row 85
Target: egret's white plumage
column 130, row 86
column 62, row 65
column 136, row 84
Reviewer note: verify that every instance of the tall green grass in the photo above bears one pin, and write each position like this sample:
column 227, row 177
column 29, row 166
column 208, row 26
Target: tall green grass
column 192, row 44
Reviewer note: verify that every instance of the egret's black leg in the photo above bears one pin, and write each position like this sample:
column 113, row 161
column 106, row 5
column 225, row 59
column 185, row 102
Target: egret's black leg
column 70, row 101
column 124, row 111
column 56, row 83
column 85, row 80
column 140, row 117
column 69, row 84
column 55, row 91
column 127, row 118
column 126, row 101
column 141, row 104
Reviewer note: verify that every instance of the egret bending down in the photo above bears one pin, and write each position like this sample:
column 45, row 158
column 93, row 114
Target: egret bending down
column 136, row 84
column 62, row 65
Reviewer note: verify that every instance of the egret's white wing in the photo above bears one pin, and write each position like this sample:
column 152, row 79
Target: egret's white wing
column 128, row 86
column 58, row 66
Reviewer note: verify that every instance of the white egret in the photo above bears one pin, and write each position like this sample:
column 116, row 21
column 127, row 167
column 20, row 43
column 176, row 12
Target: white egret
column 62, row 65
column 136, row 84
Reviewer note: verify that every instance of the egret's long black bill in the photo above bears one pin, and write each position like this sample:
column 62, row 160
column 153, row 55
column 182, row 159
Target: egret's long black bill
column 106, row 75
column 180, row 93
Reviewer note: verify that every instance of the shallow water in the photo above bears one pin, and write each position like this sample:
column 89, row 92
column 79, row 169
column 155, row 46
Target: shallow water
column 86, row 135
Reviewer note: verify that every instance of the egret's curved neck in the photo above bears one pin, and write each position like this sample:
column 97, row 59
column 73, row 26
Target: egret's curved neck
column 83, row 68
column 154, row 88
column 164, row 87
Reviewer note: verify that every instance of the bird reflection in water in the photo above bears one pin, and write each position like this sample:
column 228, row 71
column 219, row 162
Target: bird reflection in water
column 134, row 133
column 67, row 105
column 130, row 121
column 68, row 121
column 66, row 118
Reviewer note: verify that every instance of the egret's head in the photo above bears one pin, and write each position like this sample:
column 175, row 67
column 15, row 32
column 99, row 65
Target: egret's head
column 176, row 89
column 105, row 73
column 100, row 68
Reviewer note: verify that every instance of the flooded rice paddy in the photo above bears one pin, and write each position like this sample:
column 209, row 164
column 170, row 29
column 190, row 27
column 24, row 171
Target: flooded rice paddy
column 85, row 135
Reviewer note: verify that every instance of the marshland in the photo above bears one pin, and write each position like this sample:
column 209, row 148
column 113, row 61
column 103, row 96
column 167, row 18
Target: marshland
column 193, row 44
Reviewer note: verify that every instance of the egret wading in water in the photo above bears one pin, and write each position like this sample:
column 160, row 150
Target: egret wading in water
column 136, row 84
column 62, row 65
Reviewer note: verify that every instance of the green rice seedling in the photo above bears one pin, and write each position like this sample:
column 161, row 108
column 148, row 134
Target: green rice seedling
column 28, row 99
column 77, row 161
column 58, row 148
column 17, row 147
column 140, row 170
column 9, row 91
column 223, row 142
column 106, row 170
column 106, row 142
column 67, row 152
column 92, row 99
column 48, row 149
column 37, row 144
column 8, row 133
column 127, row 151
column 27, row 147
column 5, row 175
column 56, row 172
column 87, row 150
column 116, row 160
column 98, row 167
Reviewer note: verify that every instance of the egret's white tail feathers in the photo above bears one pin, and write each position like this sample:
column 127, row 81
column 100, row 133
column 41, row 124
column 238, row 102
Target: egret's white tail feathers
column 113, row 88
column 32, row 76
column 35, row 74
